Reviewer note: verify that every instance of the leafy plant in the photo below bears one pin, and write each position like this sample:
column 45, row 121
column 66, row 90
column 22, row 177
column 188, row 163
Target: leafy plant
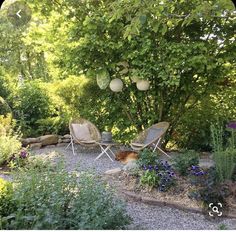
column 150, row 178
column 19, row 160
column 9, row 140
column 183, row 162
column 147, row 157
column 225, row 164
column 6, row 203
column 159, row 175
column 217, row 137
column 56, row 200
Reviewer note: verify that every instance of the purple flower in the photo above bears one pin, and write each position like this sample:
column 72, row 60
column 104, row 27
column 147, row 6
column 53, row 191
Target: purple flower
column 150, row 167
column 23, row 154
column 232, row 125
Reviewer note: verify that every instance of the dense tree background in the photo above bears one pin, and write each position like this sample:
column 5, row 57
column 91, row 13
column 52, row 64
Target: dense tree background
column 186, row 49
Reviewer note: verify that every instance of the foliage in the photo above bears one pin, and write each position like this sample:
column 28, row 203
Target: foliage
column 194, row 128
column 191, row 66
column 160, row 175
column 147, row 157
column 224, row 153
column 225, row 163
column 19, row 160
column 150, row 178
column 209, row 190
column 217, row 138
column 186, row 51
column 183, row 162
column 197, row 176
column 55, row 200
column 9, row 140
column 6, row 203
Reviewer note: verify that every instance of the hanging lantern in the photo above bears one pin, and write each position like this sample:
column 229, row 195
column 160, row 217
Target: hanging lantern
column 143, row 85
column 103, row 78
column 116, row 85
column 134, row 79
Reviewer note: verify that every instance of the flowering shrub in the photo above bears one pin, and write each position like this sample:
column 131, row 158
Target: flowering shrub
column 182, row 162
column 19, row 160
column 160, row 175
column 197, row 175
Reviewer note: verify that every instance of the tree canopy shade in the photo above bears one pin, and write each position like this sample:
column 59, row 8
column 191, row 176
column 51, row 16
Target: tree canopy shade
column 186, row 49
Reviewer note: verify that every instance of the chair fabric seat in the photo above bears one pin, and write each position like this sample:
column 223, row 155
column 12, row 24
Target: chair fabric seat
column 81, row 132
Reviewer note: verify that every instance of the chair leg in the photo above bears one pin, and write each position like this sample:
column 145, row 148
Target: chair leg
column 163, row 152
column 157, row 147
column 68, row 145
column 72, row 145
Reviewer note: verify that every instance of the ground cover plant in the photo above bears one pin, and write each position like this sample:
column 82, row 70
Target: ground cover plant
column 57, row 200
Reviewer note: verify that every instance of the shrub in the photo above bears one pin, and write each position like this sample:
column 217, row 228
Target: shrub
column 209, row 190
column 183, row 162
column 147, row 157
column 9, row 141
column 55, row 200
column 6, row 202
column 19, row 160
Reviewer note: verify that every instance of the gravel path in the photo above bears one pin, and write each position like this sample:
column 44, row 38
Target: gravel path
column 144, row 216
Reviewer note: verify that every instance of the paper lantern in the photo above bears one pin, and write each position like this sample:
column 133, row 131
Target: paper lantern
column 103, row 78
column 143, row 85
column 116, row 85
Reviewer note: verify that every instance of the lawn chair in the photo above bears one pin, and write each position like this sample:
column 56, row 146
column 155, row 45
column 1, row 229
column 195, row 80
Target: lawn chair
column 84, row 133
column 151, row 137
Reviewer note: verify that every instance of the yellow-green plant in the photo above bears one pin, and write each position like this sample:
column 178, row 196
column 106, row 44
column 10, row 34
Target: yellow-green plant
column 9, row 141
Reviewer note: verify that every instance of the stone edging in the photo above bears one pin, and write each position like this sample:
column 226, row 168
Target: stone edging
column 153, row 201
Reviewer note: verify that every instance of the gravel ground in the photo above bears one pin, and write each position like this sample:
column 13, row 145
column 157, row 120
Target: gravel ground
column 144, row 216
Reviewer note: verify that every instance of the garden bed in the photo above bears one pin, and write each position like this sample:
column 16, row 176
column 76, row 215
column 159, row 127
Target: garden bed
column 177, row 197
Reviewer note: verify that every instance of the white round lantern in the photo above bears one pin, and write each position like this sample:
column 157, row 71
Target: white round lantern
column 143, row 85
column 116, row 85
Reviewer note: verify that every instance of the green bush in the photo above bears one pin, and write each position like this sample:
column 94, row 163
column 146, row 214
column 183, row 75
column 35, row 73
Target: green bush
column 39, row 110
column 147, row 157
column 56, row 200
column 183, row 162
column 6, row 202
column 9, row 141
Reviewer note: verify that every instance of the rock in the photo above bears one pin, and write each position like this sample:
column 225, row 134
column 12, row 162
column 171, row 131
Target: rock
column 35, row 145
column 26, row 142
column 65, row 140
column 67, row 136
column 59, row 140
column 131, row 166
column 113, row 171
column 62, row 144
column 48, row 140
